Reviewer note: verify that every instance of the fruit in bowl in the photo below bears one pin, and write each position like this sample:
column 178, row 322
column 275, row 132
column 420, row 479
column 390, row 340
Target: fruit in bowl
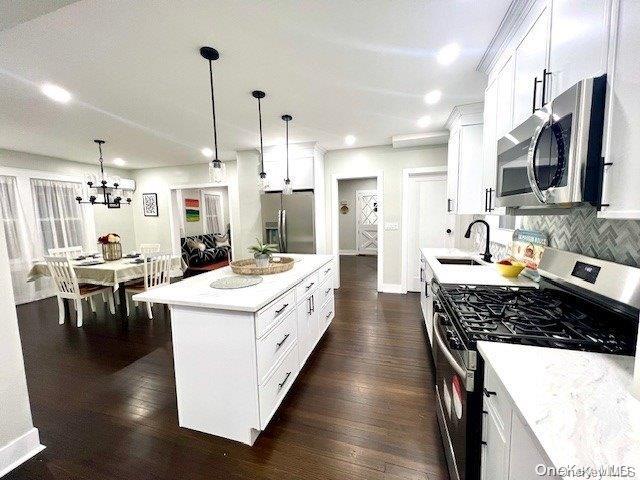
column 509, row 268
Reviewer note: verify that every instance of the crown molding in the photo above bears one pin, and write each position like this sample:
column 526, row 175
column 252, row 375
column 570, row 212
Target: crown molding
column 460, row 110
column 511, row 22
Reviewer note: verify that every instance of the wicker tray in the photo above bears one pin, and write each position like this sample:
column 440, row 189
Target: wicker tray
column 249, row 267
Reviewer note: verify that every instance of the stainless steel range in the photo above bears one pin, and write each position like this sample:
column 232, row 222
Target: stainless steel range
column 582, row 304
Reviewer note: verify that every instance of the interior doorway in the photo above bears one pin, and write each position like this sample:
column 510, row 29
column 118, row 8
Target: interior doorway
column 425, row 219
column 356, row 222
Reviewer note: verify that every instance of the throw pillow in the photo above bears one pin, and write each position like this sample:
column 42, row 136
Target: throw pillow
column 222, row 241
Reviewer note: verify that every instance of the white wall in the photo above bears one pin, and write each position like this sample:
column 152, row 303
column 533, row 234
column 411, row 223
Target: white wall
column 18, row 438
column 391, row 162
column 107, row 220
column 249, row 202
column 347, row 222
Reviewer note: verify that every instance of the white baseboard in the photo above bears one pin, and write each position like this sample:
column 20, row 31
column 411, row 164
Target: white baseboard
column 19, row 451
column 391, row 288
column 348, row 252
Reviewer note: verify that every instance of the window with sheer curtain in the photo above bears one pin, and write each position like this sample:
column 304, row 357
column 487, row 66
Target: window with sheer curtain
column 213, row 217
column 58, row 215
column 10, row 211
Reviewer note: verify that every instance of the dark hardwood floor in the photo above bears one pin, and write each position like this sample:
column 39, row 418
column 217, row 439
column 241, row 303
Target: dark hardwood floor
column 103, row 398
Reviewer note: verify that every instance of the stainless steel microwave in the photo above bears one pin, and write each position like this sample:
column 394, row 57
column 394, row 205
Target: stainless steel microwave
column 554, row 159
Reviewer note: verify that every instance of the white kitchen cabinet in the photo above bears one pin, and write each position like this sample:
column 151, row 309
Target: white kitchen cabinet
column 504, row 106
column 622, row 140
column 578, row 43
column 495, row 449
column 530, row 63
column 464, row 160
column 509, row 449
column 453, row 153
column 301, row 173
column 273, row 167
column 525, row 457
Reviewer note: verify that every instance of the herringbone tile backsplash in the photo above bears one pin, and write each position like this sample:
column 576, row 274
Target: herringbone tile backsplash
column 581, row 231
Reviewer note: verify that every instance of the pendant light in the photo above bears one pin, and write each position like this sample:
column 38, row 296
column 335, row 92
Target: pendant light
column 263, row 181
column 288, row 188
column 216, row 171
column 105, row 190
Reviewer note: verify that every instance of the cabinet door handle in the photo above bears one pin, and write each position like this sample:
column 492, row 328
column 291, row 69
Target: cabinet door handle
column 448, row 205
column 326, row 292
column 329, row 314
column 327, row 270
column 545, row 74
column 535, row 94
column 280, row 385
column 490, row 199
column 309, row 303
column 483, row 442
column 486, row 202
column 278, row 312
column 313, row 303
column 279, row 344
column 487, row 393
column 310, row 285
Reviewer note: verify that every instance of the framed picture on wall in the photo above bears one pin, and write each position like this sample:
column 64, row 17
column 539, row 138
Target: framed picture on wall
column 150, row 204
column 192, row 209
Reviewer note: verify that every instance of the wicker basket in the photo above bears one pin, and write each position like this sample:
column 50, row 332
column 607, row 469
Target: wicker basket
column 249, row 267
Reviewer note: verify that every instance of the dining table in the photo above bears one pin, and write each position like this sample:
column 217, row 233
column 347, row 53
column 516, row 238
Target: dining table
column 116, row 273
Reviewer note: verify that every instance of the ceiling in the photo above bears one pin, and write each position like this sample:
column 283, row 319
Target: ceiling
column 339, row 67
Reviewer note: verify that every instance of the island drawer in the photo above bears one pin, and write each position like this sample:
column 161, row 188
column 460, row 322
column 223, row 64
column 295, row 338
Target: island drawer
column 307, row 286
column 327, row 312
column 273, row 346
column 326, row 271
column 276, row 386
column 325, row 291
column 268, row 316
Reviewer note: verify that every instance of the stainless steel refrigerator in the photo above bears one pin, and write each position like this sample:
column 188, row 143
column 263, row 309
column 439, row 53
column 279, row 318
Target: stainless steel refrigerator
column 287, row 221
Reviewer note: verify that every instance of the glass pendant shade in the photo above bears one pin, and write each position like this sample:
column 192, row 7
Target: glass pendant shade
column 263, row 182
column 288, row 188
column 217, row 172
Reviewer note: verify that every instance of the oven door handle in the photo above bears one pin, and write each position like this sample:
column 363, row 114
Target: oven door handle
column 531, row 161
column 443, row 347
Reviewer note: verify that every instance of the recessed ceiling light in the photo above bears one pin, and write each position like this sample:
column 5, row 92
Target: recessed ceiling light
column 118, row 161
column 424, row 121
column 207, row 152
column 448, row 54
column 432, row 97
column 55, row 93
column 349, row 140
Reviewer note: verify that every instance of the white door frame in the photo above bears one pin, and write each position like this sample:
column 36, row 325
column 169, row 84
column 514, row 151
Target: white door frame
column 357, row 218
column 335, row 226
column 406, row 174
column 232, row 195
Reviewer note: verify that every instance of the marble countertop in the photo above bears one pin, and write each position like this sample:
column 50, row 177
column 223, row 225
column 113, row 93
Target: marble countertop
column 196, row 292
column 486, row 274
column 579, row 405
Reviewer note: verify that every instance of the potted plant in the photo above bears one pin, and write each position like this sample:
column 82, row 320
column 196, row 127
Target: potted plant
column 111, row 247
column 262, row 253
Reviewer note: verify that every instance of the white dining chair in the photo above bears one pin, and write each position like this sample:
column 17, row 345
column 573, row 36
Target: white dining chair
column 146, row 248
column 69, row 252
column 157, row 269
column 67, row 287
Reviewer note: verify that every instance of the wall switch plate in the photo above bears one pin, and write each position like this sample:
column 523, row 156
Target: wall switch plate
column 391, row 226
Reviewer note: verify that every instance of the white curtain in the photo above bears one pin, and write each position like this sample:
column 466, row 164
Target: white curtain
column 60, row 220
column 214, row 223
column 21, row 244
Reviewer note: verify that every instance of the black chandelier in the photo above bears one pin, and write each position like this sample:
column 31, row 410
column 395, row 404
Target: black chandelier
column 106, row 194
column 263, row 181
column 288, row 188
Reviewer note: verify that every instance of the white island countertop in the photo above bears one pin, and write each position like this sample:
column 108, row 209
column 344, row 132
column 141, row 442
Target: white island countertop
column 485, row 274
column 579, row 405
column 196, row 292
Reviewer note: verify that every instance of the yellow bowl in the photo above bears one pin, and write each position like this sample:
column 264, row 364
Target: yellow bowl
column 510, row 271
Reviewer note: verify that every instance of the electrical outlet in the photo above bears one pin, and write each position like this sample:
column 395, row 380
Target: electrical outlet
column 391, row 226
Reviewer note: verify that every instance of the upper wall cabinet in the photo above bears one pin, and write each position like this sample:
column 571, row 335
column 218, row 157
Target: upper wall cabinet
column 578, row 46
column 622, row 139
column 530, row 64
column 301, row 166
column 464, row 163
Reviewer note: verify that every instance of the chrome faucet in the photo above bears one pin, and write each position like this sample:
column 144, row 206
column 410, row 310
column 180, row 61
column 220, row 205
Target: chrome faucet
column 486, row 256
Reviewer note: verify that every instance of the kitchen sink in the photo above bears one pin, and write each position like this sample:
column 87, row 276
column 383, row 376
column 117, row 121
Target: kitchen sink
column 459, row 261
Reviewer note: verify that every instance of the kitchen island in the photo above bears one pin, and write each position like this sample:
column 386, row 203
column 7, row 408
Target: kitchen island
column 237, row 352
